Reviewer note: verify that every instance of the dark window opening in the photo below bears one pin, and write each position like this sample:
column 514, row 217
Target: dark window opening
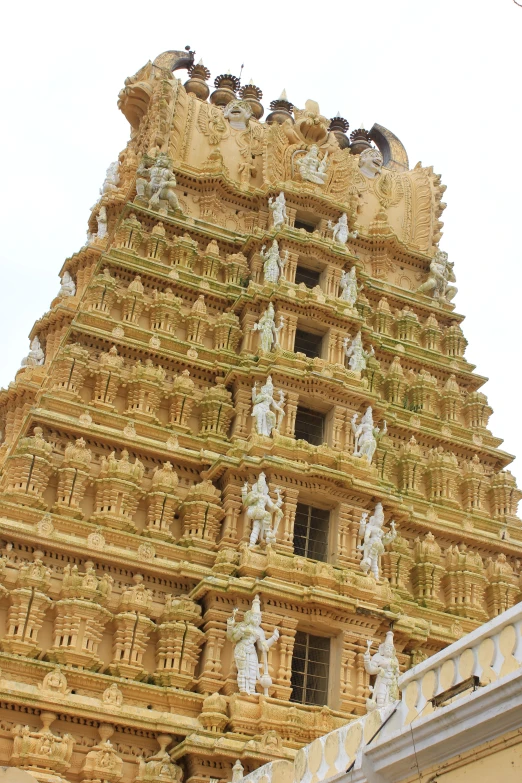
column 309, row 426
column 310, row 277
column 310, row 664
column 307, row 226
column 311, row 532
column 308, row 343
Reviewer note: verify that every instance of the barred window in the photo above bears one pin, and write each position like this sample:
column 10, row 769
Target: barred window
column 308, row 343
column 310, row 665
column 310, row 277
column 309, row 426
column 311, row 532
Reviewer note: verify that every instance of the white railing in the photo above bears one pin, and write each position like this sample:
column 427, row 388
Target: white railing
column 487, row 654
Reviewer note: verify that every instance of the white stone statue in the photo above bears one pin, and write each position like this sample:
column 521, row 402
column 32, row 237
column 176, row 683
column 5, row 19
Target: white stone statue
column 112, row 178
column 311, row 167
column 67, row 287
column 441, row 275
column 340, row 231
column 273, row 264
column 36, row 356
column 101, row 219
column 374, row 539
column 249, row 640
column 268, row 331
column 349, row 287
column 277, row 207
column 260, row 509
column 370, row 162
column 385, row 665
column 366, row 435
column 267, row 413
column 238, row 114
column 354, row 351
column 158, row 190
column 237, row 772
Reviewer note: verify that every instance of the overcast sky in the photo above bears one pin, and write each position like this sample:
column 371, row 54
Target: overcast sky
column 443, row 75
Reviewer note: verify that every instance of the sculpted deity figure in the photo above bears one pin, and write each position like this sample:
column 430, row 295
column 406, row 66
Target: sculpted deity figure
column 237, row 772
column 277, row 207
column 159, row 188
column 238, row 114
column 249, row 639
column 340, row 231
column 268, row 331
column 67, row 287
column 385, row 665
column 112, row 178
column 112, row 696
column 55, row 681
column 311, row 167
column 370, row 162
column 101, row 219
column 441, row 275
column 159, row 767
column 36, row 356
column 349, row 287
column 273, row 264
column 260, row 508
column 366, row 435
column 354, row 351
column 267, row 413
column 374, row 539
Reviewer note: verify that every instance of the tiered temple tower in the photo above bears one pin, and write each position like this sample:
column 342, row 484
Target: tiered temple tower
column 130, row 431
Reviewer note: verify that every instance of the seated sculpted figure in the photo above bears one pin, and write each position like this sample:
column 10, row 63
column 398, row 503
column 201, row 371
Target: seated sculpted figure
column 441, row 275
column 67, row 287
column 311, row 167
column 36, row 356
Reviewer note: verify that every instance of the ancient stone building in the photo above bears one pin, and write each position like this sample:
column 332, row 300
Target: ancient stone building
column 252, row 383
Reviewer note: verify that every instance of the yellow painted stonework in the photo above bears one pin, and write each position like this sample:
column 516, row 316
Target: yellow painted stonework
column 128, row 436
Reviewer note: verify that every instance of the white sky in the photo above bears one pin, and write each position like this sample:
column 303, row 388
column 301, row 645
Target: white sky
column 443, row 75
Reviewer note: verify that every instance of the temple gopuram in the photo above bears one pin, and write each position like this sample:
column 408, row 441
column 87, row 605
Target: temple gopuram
column 245, row 448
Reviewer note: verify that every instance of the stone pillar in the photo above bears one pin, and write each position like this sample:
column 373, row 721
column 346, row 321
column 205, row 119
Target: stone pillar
column 250, row 341
column 282, row 682
column 292, row 398
column 287, row 333
column 285, row 536
column 332, row 279
column 335, row 353
column 243, row 408
column 233, row 508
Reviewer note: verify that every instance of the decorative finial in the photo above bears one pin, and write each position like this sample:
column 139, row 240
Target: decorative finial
column 281, row 110
column 253, row 95
column 226, row 86
column 338, row 126
column 360, row 139
column 197, row 82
